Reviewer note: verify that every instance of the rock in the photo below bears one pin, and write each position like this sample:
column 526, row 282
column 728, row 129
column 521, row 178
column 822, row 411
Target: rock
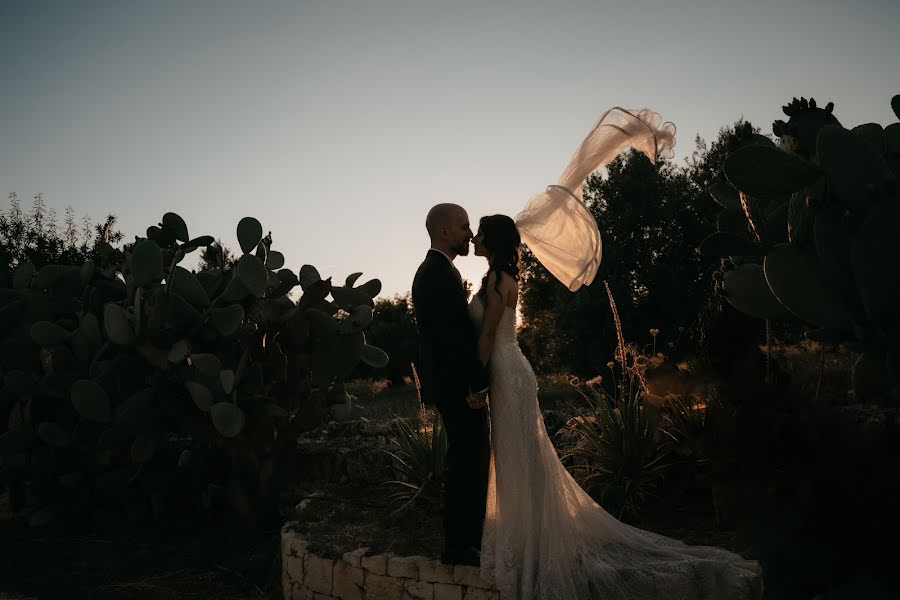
column 474, row 593
column 403, row 566
column 286, row 584
column 319, row 574
column 444, row 591
column 469, row 576
column 309, row 499
column 298, row 592
column 354, row 558
column 292, row 567
column 377, row 564
column 432, row 571
column 291, row 542
column 384, row 588
column 348, row 582
column 416, row 590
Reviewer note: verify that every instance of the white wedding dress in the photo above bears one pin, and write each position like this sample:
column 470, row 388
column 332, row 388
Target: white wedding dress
column 545, row 538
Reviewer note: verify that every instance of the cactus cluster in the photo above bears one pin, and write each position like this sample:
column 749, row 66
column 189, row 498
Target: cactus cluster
column 808, row 232
column 800, row 132
column 132, row 381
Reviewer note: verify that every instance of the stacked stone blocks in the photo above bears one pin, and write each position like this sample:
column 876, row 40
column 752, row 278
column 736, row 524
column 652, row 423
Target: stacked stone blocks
column 357, row 575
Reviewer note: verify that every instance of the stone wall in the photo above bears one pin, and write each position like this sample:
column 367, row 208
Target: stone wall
column 342, row 452
column 361, row 576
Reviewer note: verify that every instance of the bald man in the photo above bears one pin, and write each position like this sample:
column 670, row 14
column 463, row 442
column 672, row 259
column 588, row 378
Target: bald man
column 453, row 379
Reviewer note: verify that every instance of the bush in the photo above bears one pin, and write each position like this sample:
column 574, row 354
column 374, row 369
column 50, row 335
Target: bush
column 612, row 450
column 134, row 388
column 420, row 458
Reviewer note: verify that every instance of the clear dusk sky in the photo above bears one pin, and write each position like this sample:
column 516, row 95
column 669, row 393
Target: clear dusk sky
column 339, row 123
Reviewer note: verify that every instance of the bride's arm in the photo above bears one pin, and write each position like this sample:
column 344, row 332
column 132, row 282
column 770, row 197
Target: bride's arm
column 493, row 310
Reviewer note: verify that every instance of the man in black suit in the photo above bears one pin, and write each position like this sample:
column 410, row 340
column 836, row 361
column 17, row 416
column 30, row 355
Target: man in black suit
column 453, row 379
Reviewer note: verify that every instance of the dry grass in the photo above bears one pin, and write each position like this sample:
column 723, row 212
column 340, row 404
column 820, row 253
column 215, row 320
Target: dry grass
column 344, row 518
column 556, row 391
column 814, row 366
column 378, row 400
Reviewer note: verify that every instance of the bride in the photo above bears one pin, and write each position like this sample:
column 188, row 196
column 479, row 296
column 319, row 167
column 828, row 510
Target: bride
column 544, row 537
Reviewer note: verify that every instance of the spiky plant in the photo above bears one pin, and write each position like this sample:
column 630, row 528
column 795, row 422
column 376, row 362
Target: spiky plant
column 807, row 233
column 613, row 454
column 419, row 453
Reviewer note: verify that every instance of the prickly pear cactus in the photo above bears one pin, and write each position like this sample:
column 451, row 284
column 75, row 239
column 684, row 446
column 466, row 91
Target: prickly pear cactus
column 809, row 227
column 133, row 383
column 798, row 135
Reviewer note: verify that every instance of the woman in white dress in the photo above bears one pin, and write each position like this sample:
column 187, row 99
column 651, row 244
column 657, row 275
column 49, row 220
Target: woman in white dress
column 544, row 537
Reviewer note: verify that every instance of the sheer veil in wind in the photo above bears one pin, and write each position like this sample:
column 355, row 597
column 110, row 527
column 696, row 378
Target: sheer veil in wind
column 556, row 225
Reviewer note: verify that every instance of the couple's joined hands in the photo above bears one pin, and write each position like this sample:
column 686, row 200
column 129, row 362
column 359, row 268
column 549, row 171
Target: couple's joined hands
column 477, row 400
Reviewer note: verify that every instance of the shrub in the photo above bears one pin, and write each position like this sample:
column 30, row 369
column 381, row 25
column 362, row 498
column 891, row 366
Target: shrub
column 134, row 387
column 612, row 451
column 420, row 457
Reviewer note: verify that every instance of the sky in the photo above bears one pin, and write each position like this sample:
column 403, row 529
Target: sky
column 339, row 123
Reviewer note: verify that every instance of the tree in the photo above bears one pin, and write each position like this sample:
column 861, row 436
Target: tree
column 211, row 256
column 35, row 237
column 393, row 329
column 653, row 218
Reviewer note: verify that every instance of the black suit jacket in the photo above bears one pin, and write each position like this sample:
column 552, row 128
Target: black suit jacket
column 449, row 367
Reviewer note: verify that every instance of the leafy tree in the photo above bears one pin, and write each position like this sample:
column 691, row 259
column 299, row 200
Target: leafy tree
column 653, row 218
column 393, row 329
column 35, row 237
column 211, row 256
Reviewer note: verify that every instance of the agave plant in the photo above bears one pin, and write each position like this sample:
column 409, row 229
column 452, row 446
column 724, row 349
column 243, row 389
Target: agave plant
column 613, row 453
column 420, row 456
column 685, row 423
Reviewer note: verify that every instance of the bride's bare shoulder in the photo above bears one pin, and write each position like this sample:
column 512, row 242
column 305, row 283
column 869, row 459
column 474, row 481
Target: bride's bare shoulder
column 509, row 285
column 506, row 285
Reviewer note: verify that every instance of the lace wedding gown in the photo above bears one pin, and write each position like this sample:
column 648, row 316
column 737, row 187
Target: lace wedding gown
column 544, row 537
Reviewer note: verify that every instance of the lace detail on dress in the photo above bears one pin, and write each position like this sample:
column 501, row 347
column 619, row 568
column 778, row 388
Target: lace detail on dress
column 544, row 537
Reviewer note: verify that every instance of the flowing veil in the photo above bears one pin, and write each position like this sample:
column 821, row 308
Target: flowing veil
column 544, row 536
column 556, row 225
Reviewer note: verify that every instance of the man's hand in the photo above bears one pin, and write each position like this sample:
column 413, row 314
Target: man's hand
column 476, row 401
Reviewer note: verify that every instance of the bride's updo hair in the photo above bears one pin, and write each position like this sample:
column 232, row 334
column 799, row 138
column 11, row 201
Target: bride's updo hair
column 502, row 241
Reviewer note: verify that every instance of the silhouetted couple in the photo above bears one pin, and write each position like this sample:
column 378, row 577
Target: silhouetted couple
column 510, row 505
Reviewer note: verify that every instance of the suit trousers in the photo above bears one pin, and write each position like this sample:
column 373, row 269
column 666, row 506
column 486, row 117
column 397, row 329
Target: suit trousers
column 468, row 465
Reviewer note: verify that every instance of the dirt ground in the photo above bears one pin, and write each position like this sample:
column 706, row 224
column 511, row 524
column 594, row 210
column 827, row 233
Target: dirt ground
column 64, row 561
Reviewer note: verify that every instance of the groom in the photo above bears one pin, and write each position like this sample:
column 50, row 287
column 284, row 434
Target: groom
column 453, row 379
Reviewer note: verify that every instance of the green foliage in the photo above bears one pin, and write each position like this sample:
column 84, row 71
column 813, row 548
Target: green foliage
column 216, row 257
column 249, row 233
column 751, row 294
column 822, row 212
column 801, row 131
column 653, row 218
column 764, row 171
column 614, row 456
column 612, row 450
column 393, row 329
column 685, row 426
column 35, row 239
column 134, row 385
column 420, row 454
